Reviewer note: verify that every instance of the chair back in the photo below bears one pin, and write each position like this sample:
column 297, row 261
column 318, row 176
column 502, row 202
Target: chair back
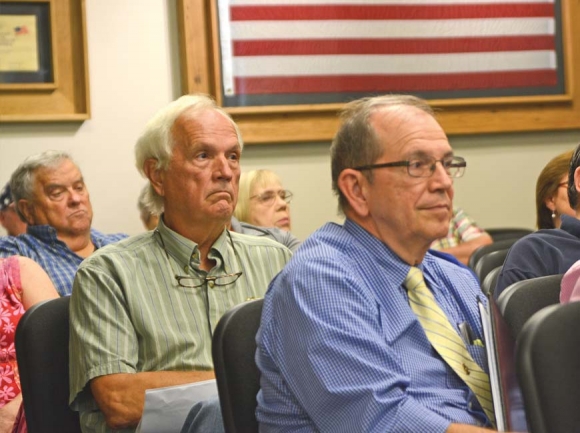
column 548, row 366
column 42, row 353
column 489, row 262
column 483, row 251
column 489, row 282
column 503, row 233
column 518, row 302
column 237, row 376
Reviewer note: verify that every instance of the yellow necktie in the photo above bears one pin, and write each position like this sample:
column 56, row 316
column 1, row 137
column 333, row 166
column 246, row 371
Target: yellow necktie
column 446, row 340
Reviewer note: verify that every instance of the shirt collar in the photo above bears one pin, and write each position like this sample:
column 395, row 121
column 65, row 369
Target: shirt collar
column 380, row 251
column 43, row 232
column 185, row 251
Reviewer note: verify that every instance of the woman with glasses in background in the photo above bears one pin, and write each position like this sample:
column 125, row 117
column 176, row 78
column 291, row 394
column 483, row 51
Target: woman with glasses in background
column 262, row 201
column 552, row 192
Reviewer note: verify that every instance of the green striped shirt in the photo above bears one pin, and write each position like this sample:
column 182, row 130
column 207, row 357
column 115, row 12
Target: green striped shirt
column 128, row 314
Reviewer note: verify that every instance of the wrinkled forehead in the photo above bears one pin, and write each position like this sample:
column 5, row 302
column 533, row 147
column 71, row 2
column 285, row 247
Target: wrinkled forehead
column 62, row 172
column 196, row 124
column 406, row 130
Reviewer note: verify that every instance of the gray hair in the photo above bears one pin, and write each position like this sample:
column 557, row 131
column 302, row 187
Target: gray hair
column 23, row 179
column 157, row 139
column 142, row 205
column 356, row 142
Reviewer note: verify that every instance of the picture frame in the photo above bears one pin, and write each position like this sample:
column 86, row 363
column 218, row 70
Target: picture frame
column 44, row 80
column 201, row 72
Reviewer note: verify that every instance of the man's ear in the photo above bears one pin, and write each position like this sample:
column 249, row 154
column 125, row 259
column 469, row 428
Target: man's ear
column 354, row 186
column 155, row 175
column 26, row 208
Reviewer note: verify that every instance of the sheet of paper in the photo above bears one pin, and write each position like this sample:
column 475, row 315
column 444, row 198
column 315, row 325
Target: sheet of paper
column 166, row 408
column 18, row 44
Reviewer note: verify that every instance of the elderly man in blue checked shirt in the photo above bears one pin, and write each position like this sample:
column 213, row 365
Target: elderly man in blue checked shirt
column 143, row 311
column 50, row 194
column 340, row 347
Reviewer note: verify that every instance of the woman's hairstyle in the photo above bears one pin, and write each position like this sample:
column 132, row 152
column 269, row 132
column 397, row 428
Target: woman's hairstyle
column 547, row 186
column 157, row 139
column 248, row 182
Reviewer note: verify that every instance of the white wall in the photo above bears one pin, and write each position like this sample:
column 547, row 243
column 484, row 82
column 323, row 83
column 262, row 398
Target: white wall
column 134, row 70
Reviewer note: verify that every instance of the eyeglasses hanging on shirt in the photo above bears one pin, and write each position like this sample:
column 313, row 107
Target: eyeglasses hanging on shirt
column 193, row 282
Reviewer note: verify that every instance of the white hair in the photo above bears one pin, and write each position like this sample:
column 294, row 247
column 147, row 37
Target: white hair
column 157, row 140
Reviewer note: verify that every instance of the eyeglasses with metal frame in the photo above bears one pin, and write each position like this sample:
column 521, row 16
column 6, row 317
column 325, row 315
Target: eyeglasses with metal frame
column 269, row 197
column 190, row 282
column 454, row 166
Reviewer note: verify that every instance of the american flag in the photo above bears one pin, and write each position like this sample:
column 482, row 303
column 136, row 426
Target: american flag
column 297, row 51
column 21, row 30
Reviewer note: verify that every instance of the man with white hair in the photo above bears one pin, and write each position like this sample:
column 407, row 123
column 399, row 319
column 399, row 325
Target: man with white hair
column 143, row 311
column 50, row 195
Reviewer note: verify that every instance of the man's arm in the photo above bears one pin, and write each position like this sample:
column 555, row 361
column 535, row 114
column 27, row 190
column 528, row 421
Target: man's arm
column 121, row 397
column 464, row 250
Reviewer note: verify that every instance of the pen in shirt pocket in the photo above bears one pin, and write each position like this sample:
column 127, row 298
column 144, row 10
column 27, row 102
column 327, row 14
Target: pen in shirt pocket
column 468, row 335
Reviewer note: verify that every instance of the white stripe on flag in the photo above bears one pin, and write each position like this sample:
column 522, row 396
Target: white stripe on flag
column 259, row 66
column 272, row 30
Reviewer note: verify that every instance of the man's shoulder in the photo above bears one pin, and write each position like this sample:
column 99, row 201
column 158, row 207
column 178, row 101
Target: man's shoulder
column 22, row 245
column 127, row 246
column 446, row 264
column 102, row 239
column 329, row 247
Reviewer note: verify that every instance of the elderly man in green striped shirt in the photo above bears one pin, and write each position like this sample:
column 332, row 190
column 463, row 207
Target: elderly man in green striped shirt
column 143, row 310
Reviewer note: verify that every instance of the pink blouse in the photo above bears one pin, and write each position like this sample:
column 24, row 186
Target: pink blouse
column 570, row 286
column 11, row 310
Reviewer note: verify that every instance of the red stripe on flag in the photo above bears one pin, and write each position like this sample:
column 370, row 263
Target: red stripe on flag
column 395, row 83
column 391, row 46
column 390, row 12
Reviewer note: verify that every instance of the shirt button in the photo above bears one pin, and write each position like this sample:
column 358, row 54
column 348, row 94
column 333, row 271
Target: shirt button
column 466, row 369
column 470, row 405
column 211, row 284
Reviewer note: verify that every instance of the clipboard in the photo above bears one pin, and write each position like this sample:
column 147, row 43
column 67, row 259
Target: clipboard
column 500, row 347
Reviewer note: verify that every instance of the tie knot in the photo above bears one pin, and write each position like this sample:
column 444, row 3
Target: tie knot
column 414, row 278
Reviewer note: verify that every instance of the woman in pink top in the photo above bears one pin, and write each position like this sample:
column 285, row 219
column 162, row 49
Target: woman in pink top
column 23, row 283
column 570, row 286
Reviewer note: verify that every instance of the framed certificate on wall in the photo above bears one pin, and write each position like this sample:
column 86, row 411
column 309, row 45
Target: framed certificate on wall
column 43, row 61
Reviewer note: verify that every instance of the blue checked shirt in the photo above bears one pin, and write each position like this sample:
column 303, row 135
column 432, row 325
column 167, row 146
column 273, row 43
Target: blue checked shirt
column 340, row 350
column 41, row 245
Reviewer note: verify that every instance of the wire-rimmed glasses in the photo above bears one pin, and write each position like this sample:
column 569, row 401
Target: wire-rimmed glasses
column 268, row 198
column 454, row 166
column 193, row 282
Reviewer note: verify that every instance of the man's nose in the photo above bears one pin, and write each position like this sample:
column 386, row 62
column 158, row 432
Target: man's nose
column 75, row 196
column 224, row 167
column 440, row 177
